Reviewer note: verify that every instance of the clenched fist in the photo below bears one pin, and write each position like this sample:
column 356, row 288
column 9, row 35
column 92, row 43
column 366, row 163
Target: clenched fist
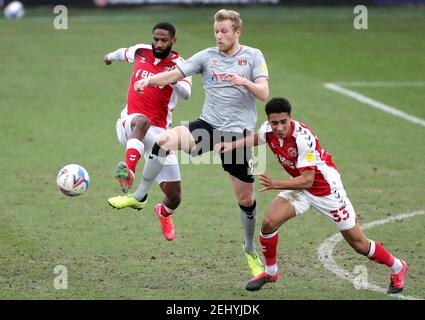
column 140, row 85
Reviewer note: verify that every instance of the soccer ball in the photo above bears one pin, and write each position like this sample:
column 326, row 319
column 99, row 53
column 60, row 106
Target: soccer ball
column 14, row 10
column 73, row 180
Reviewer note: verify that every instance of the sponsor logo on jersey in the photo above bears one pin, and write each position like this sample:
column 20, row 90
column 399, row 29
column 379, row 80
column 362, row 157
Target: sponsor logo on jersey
column 214, row 77
column 217, row 77
column 143, row 74
column 285, row 162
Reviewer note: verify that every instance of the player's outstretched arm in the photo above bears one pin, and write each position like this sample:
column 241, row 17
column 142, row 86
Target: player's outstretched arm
column 248, row 141
column 303, row 181
column 117, row 55
column 160, row 79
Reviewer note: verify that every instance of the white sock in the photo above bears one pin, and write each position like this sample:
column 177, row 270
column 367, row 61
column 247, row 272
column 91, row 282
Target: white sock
column 397, row 266
column 271, row 270
column 168, row 209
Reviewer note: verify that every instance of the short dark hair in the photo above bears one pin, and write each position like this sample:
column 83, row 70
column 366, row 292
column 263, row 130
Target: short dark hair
column 165, row 26
column 278, row 105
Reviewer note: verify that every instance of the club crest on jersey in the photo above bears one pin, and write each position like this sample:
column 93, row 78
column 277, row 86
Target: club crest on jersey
column 292, row 152
column 214, row 62
column 243, row 62
column 142, row 59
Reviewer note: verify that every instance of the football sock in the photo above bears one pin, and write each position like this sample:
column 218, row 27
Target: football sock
column 165, row 211
column 248, row 219
column 271, row 270
column 378, row 253
column 152, row 168
column 269, row 247
column 133, row 153
column 397, row 266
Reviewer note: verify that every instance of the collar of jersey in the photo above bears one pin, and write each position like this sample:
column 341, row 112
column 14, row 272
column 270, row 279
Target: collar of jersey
column 233, row 55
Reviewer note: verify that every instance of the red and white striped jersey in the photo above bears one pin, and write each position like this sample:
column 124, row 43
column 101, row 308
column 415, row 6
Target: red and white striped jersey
column 156, row 103
column 301, row 150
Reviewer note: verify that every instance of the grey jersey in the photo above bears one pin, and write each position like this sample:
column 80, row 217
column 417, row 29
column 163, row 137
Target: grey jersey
column 226, row 107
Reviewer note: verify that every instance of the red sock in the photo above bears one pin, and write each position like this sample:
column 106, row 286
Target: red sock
column 164, row 212
column 132, row 157
column 378, row 253
column 269, row 247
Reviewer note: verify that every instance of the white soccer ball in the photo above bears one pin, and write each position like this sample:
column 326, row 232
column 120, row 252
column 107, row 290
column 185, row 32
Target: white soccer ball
column 73, row 180
column 14, row 10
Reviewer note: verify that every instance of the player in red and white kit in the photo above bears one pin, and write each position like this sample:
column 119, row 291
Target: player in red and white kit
column 148, row 115
column 315, row 183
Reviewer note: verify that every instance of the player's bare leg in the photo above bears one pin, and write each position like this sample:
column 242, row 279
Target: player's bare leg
column 278, row 213
column 173, row 139
column 125, row 171
column 172, row 191
column 376, row 251
column 140, row 125
column 178, row 138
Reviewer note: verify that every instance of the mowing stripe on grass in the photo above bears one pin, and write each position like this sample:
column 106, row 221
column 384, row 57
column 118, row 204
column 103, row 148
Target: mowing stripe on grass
column 326, row 249
column 376, row 104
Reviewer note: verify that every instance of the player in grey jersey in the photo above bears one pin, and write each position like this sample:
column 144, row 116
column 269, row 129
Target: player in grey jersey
column 234, row 76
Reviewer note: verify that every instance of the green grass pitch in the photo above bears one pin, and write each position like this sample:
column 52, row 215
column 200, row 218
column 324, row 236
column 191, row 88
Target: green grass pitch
column 59, row 104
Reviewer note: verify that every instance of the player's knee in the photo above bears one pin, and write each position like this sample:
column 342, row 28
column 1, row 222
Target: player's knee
column 142, row 124
column 246, row 200
column 268, row 225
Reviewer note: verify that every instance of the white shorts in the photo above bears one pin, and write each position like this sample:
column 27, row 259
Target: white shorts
column 336, row 206
column 170, row 171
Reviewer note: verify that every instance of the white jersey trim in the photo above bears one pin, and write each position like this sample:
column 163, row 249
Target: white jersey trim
column 131, row 51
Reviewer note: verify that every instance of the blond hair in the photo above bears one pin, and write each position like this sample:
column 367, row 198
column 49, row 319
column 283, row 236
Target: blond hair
column 231, row 15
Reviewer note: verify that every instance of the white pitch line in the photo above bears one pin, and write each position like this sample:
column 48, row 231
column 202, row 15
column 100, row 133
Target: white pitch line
column 383, row 84
column 325, row 255
column 376, row 104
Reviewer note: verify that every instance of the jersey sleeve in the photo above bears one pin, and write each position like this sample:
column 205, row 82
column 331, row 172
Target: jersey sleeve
column 131, row 51
column 259, row 66
column 183, row 88
column 306, row 144
column 117, row 55
column 193, row 65
column 262, row 139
